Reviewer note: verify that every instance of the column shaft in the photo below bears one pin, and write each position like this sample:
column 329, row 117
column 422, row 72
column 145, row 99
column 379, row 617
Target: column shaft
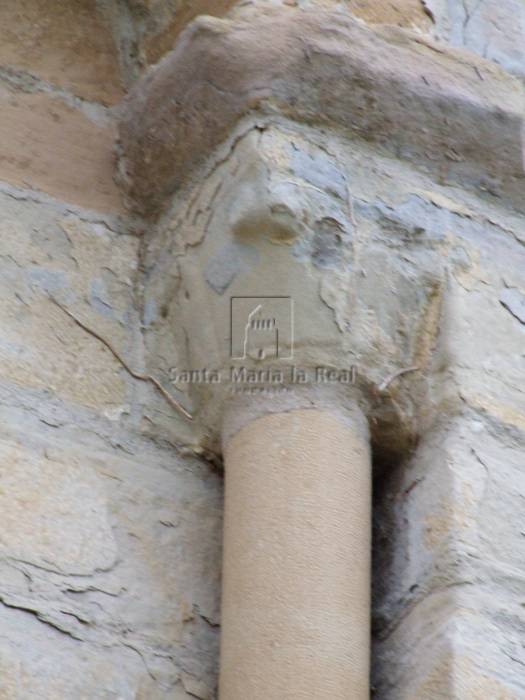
column 296, row 573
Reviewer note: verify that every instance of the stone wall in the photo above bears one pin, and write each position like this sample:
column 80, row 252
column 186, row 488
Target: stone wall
column 110, row 545
column 110, row 537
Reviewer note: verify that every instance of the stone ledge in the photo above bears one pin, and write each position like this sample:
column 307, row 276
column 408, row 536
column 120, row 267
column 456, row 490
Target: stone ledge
column 452, row 114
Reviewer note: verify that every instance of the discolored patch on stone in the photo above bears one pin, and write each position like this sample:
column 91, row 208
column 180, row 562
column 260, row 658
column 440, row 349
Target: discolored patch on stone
column 320, row 171
column 158, row 24
column 232, row 259
column 328, row 241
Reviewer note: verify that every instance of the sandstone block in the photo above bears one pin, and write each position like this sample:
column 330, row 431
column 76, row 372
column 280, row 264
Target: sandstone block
column 64, row 43
column 50, row 146
column 409, row 13
column 165, row 24
column 54, row 513
column 89, row 269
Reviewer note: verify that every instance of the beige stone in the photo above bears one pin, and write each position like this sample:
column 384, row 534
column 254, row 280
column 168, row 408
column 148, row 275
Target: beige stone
column 89, row 269
column 264, row 124
column 47, row 664
column 163, row 40
column 283, row 225
column 107, row 555
column 54, row 513
column 449, row 585
column 44, row 349
column 66, row 43
column 408, row 13
column 296, row 567
column 53, row 147
column 418, row 100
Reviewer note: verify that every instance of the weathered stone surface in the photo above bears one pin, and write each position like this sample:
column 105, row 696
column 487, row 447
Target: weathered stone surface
column 64, row 43
column 50, row 146
column 485, row 339
column 289, row 223
column 494, row 29
column 418, row 101
column 409, row 13
column 145, row 30
column 53, row 514
column 439, row 514
column 109, row 567
column 88, row 268
column 422, row 226
column 514, row 301
column 40, row 662
column 159, row 23
column 449, row 586
column 403, row 158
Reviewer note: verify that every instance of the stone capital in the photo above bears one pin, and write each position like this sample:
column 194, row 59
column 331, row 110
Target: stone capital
column 251, row 145
column 280, row 292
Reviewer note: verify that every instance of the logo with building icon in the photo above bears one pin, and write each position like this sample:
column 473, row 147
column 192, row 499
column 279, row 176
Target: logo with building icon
column 261, row 328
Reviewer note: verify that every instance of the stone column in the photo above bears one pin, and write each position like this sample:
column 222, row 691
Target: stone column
column 273, row 182
column 296, row 567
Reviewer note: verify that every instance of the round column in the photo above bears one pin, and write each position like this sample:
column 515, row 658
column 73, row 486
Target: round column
column 296, row 567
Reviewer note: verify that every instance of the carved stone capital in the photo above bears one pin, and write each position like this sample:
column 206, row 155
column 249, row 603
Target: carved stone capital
column 280, row 290
column 255, row 143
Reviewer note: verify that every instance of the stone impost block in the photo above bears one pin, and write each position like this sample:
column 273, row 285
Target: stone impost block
column 446, row 111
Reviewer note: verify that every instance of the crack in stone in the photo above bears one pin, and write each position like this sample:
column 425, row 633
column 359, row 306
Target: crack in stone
column 42, row 617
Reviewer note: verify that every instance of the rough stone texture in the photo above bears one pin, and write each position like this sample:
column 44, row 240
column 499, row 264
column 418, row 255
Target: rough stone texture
column 65, row 43
column 54, row 147
column 494, row 29
column 109, row 564
column 110, row 543
column 438, row 274
column 514, row 301
column 449, row 582
column 159, row 22
column 450, row 586
column 449, row 113
column 306, row 229
column 145, row 30
column 411, row 14
column 53, row 514
column 102, row 591
column 87, row 267
column 110, row 538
